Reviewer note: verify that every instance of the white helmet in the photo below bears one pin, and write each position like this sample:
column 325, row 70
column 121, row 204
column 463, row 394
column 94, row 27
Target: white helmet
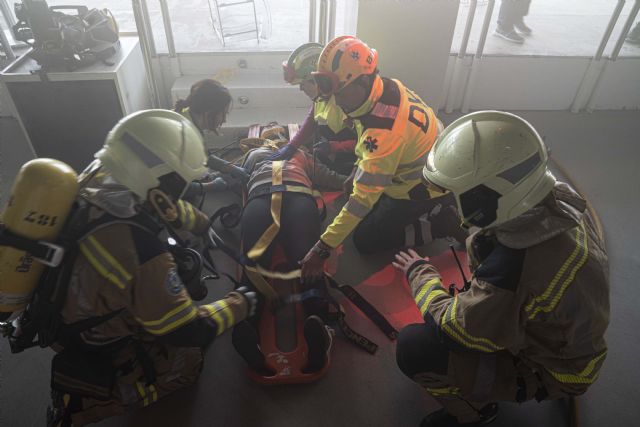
column 154, row 148
column 494, row 163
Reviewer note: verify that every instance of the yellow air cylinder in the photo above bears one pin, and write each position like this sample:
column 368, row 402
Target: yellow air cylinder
column 40, row 201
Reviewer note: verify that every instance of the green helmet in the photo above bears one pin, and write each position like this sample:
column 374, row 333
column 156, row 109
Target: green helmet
column 494, row 163
column 301, row 63
column 153, row 145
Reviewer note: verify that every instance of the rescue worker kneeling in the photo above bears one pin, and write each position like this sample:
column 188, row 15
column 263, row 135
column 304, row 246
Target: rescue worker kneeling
column 151, row 336
column 299, row 228
column 532, row 323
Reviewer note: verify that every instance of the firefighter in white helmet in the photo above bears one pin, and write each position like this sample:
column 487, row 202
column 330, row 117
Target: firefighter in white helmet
column 147, row 336
column 532, row 323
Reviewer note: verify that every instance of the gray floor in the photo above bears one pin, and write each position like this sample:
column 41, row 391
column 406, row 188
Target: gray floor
column 599, row 151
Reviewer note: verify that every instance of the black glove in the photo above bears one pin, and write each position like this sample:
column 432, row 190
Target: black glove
column 284, row 153
column 221, row 165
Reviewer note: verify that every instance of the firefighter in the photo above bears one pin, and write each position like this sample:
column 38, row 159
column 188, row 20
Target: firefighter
column 325, row 124
column 395, row 132
column 207, row 107
column 147, row 336
column 532, row 323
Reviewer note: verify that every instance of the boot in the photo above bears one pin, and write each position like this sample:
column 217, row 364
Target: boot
column 318, row 338
column 442, row 418
column 246, row 342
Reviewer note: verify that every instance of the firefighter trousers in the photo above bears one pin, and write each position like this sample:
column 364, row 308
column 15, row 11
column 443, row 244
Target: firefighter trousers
column 465, row 381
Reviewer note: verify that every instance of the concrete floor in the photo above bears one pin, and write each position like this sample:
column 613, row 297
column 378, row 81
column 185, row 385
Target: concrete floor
column 599, row 151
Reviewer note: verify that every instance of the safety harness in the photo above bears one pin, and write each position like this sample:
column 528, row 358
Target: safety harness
column 257, row 274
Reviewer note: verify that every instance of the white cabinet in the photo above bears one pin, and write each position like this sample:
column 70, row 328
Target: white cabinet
column 67, row 115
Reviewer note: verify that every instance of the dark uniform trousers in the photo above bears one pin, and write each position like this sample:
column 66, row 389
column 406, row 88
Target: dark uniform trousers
column 465, row 381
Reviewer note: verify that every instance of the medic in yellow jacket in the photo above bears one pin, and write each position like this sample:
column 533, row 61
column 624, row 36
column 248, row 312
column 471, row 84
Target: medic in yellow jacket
column 395, row 132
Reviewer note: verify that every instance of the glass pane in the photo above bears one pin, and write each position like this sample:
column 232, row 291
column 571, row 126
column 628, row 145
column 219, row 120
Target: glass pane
column 631, row 46
column 238, row 25
column 558, row 28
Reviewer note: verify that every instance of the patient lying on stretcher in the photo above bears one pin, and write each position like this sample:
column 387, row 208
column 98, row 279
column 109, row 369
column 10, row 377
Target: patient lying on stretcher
column 300, row 222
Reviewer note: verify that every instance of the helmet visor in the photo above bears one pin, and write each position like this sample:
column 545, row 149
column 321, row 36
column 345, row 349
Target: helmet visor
column 327, row 83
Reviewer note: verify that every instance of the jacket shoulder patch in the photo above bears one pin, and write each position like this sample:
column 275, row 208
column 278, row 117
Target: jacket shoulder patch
column 502, row 267
column 173, row 282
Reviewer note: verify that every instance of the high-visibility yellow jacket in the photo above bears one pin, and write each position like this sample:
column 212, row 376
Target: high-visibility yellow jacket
column 331, row 121
column 395, row 133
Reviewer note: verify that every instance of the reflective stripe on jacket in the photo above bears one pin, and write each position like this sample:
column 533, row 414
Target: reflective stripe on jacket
column 539, row 290
column 395, row 133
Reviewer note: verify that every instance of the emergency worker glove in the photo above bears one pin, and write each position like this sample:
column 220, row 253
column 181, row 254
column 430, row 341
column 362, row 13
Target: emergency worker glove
column 322, row 148
column 284, row 153
column 252, row 298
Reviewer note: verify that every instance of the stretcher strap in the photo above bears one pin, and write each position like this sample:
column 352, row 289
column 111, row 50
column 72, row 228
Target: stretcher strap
column 280, row 275
column 366, row 308
column 357, row 339
column 261, row 284
column 276, row 208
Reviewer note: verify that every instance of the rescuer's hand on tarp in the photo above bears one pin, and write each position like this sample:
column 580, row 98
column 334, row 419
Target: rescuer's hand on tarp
column 313, row 263
column 408, row 261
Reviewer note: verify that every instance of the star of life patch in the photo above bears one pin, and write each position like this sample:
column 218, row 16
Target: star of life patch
column 173, row 282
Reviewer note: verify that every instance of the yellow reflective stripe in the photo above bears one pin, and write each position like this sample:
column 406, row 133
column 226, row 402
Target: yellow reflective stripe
column 462, row 336
column 428, row 293
column 586, row 376
column 104, row 263
column 154, row 393
column 172, row 320
column 164, row 318
column 225, row 311
column 372, row 179
column 432, row 295
column 581, row 250
column 216, row 316
column 355, row 208
column 192, row 216
column 143, row 394
column 276, row 207
column 443, row 391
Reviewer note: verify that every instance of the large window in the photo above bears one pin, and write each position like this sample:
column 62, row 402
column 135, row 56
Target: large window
column 558, row 28
column 228, row 25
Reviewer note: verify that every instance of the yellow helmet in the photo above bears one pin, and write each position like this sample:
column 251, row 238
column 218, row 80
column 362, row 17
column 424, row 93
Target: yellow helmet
column 153, row 147
column 341, row 62
column 494, row 163
column 301, row 63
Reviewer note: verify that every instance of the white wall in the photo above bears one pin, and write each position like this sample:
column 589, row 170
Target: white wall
column 413, row 39
column 542, row 83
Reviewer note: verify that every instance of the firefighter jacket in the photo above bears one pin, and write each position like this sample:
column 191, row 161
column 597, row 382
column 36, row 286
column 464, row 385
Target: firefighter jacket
column 539, row 291
column 301, row 169
column 123, row 265
column 395, row 133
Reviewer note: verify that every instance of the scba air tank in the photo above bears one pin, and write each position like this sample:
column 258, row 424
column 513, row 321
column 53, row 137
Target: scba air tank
column 40, row 201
